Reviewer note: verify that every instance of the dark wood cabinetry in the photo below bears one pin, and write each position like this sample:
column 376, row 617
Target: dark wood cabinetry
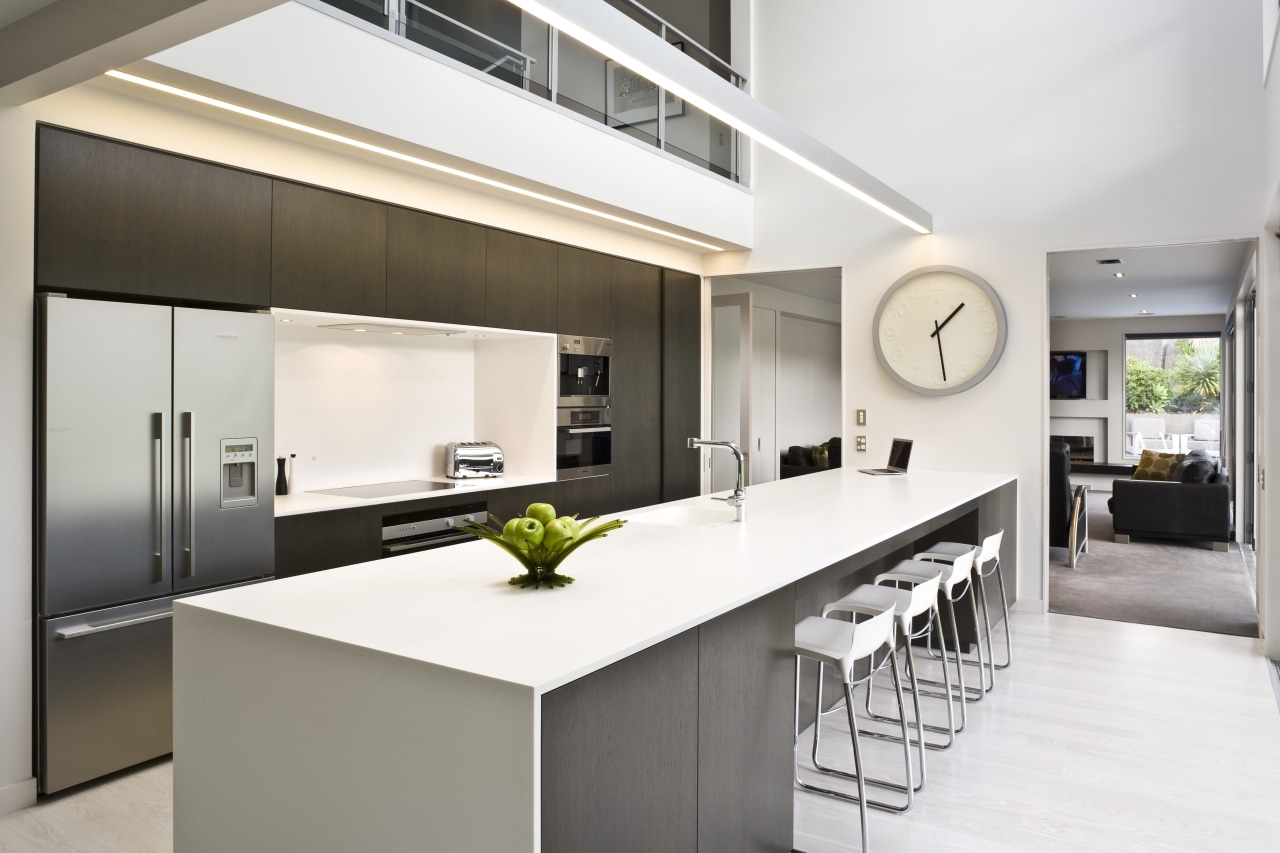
column 509, row 503
column 120, row 219
column 585, row 498
column 681, row 382
column 521, row 282
column 314, row 541
column 636, row 389
column 328, row 251
column 585, row 296
column 435, row 268
column 620, row 755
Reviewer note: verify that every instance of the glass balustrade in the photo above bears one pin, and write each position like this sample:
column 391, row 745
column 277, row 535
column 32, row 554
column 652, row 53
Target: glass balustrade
column 502, row 41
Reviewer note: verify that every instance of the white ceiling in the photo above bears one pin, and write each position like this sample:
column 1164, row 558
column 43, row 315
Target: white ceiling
column 1194, row 278
column 16, row 10
column 821, row 284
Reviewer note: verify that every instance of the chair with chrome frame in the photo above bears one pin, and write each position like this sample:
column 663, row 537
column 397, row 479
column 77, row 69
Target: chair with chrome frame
column 955, row 582
column 986, row 564
column 1068, row 520
column 844, row 645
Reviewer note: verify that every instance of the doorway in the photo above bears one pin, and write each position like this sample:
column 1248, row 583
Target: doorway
column 776, row 378
column 1153, row 323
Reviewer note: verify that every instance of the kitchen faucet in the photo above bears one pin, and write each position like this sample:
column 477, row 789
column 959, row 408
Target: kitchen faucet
column 738, row 500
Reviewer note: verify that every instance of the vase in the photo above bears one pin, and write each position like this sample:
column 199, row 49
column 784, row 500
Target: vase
column 282, row 481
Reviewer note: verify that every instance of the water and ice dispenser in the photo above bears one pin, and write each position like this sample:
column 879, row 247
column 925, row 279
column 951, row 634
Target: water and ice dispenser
column 237, row 485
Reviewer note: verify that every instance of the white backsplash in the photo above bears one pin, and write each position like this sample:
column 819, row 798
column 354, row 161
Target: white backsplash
column 369, row 408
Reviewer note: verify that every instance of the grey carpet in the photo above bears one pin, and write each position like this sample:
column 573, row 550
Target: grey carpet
column 1152, row 582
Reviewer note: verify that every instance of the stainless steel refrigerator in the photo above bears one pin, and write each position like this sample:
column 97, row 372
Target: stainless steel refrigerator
column 153, row 481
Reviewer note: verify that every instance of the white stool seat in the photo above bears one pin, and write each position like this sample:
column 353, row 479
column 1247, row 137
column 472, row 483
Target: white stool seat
column 842, row 644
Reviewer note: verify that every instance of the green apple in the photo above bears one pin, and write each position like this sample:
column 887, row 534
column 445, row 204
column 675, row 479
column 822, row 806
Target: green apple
column 545, row 513
column 556, row 532
column 572, row 523
column 528, row 533
column 509, row 529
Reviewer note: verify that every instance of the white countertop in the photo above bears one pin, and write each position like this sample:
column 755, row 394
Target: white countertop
column 453, row 608
column 304, row 502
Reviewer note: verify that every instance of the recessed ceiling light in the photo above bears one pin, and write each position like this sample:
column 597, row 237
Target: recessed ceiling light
column 365, row 330
column 1133, row 296
column 408, row 158
column 1118, row 275
column 285, row 320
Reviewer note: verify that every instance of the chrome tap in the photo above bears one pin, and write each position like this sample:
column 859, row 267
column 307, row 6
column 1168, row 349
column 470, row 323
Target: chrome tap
column 738, row 500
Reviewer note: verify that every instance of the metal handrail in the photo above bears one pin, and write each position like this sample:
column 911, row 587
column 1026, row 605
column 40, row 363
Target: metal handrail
column 522, row 62
column 666, row 28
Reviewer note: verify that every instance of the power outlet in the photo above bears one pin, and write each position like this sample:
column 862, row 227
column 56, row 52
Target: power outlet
column 860, row 417
column 860, row 442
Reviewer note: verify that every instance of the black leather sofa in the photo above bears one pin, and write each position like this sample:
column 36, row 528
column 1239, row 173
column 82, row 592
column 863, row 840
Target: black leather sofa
column 798, row 460
column 1163, row 509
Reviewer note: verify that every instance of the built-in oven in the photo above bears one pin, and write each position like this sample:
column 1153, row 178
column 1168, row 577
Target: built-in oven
column 434, row 527
column 584, row 442
column 584, row 371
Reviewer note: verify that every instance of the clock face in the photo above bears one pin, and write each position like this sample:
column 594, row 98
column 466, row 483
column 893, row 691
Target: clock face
column 939, row 330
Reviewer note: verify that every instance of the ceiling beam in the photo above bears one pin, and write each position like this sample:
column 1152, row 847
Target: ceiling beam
column 70, row 41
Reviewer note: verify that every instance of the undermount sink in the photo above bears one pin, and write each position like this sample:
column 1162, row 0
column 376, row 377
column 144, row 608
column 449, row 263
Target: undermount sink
column 686, row 516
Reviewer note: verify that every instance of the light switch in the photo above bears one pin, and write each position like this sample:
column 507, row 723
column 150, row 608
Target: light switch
column 860, row 442
column 860, row 418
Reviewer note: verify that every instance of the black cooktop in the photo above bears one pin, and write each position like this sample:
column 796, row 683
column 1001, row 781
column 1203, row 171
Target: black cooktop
column 386, row 490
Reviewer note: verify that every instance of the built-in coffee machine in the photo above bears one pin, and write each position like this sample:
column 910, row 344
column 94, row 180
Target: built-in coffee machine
column 584, row 430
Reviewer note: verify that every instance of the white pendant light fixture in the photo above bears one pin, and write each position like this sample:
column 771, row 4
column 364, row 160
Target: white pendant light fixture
column 607, row 31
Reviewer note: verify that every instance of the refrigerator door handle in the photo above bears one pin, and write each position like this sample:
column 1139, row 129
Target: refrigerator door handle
column 85, row 630
column 158, row 467
column 191, row 493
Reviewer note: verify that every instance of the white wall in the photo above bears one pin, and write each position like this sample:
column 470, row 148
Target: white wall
column 1268, row 320
column 1024, row 128
column 1105, row 338
column 808, row 381
column 370, row 408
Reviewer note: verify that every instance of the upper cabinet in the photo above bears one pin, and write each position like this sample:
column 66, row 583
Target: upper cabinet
column 120, row 219
column 328, row 251
column 681, row 383
column 435, row 268
column 636, row 391
column 520, row 282
column 585, row 296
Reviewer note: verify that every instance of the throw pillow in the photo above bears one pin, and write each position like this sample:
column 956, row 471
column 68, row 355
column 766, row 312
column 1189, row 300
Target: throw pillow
column 1196, row 467
column 819, row 456
column 796, row 455
column 1156, row 465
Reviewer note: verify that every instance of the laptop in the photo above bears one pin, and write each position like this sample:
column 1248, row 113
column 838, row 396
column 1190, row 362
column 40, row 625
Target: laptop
column 899, row 456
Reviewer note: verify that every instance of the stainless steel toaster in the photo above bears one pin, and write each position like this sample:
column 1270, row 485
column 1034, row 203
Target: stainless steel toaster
column 472, row 459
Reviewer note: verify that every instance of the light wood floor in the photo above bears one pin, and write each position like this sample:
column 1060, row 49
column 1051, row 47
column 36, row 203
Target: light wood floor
column 1104, row 736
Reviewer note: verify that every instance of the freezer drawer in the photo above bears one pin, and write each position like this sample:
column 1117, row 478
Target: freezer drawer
column 106, row 685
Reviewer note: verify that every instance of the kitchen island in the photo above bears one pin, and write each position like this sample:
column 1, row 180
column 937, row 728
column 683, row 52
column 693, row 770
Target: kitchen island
column 422, row 703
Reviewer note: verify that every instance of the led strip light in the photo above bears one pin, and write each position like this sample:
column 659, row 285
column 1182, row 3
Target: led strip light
column 406, row 158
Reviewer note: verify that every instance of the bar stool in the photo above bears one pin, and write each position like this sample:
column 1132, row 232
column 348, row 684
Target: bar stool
column 957, row 579
column 871, row 600
column 919, row 599
column 842, row 645
column 986, row 564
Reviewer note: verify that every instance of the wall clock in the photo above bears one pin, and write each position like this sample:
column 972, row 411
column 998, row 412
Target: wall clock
column 939, row 330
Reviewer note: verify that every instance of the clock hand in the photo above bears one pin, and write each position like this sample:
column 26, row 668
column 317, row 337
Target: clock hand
column 938, row 328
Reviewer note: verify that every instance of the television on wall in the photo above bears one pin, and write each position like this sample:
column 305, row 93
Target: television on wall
column 1067, row 375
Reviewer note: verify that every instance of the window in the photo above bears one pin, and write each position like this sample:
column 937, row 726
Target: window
column 1172, row 393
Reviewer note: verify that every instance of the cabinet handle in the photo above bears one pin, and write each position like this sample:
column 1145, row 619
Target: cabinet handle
column 85, row 630
column 589, row 429
column 158, row 492
column 189, row 456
